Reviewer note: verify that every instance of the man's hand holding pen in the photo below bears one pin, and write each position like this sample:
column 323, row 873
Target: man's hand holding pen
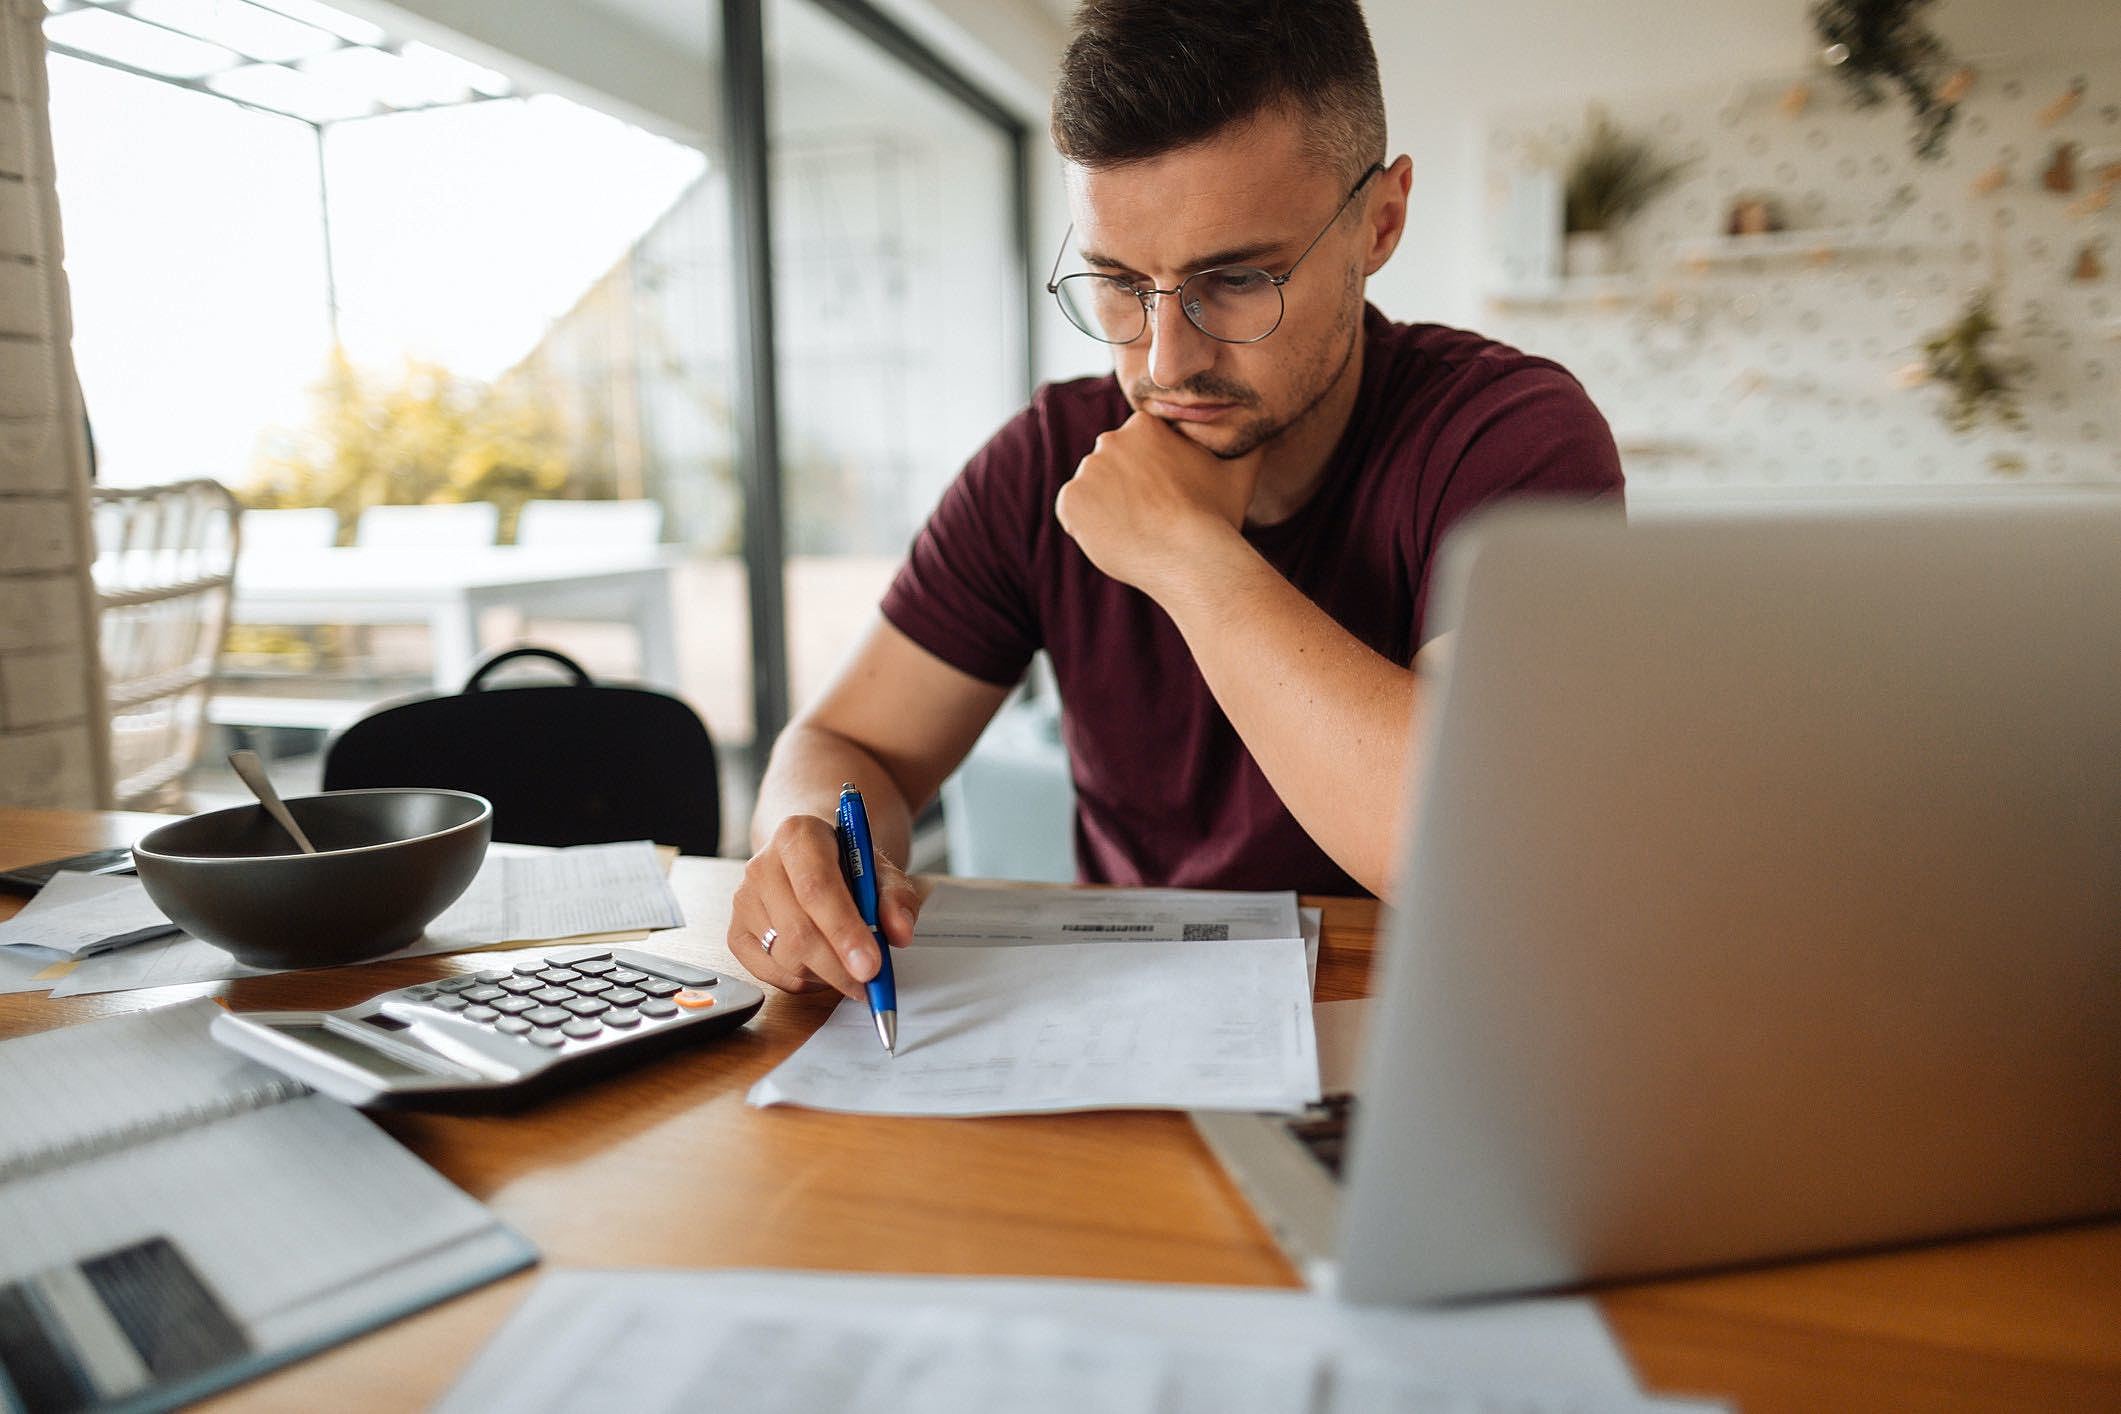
column 794, row 890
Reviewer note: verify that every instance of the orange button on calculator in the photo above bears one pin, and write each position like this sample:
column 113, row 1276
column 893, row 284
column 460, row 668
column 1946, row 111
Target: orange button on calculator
column 693, row 1000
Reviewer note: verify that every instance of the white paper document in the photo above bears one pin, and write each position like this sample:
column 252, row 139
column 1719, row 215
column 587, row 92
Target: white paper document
column 783, row 1343
column 1037, row 1028
column 519, row 895
column 27, row 969
column 560, row 893
column 79, row 914
column 966, row 914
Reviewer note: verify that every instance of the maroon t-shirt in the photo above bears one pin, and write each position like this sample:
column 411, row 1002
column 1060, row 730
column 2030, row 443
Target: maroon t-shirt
column 1166, row 792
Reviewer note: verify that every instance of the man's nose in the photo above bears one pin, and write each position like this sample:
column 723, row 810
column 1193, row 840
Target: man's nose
column 1177, row 350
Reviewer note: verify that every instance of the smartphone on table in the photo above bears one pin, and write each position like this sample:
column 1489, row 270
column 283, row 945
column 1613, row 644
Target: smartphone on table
column 29, row 878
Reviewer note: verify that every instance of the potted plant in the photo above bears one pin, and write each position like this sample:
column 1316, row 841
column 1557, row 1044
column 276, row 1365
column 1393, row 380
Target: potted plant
column 1980, row 377
column 1611, row 176
column 1879, row 44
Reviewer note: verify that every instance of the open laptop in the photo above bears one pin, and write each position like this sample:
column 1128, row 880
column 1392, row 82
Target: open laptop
column 1764, row 900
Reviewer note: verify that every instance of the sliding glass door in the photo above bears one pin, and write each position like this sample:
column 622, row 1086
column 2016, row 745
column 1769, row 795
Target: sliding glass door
column 899, row 298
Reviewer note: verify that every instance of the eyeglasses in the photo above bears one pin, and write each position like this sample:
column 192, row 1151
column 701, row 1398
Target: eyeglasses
column 1237, row 304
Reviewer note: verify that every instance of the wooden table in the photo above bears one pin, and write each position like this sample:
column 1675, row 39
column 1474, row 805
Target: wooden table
column 666, row 1166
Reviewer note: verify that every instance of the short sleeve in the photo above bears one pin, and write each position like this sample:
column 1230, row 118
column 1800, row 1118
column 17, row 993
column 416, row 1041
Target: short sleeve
column 1531, row 431
column 964, row 593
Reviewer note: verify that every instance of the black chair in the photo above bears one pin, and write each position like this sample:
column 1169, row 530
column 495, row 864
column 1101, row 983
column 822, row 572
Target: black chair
column 563, row 764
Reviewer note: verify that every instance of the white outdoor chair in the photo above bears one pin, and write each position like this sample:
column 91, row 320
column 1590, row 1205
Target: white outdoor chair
column 165, row 560
column 466, row 526
column 604, row 524
column 290, row 531
column 610, row 526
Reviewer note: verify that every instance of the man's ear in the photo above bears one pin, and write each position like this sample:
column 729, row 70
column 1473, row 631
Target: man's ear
column 1386, row 213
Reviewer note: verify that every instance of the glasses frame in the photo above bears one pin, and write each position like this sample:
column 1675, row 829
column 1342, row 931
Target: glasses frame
column 1054, row 279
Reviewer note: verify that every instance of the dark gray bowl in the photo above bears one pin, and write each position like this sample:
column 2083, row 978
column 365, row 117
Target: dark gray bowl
column 387, row 862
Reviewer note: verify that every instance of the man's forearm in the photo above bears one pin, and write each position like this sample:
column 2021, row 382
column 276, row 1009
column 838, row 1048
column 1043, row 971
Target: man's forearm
column 1329, row 720
column 804, row 776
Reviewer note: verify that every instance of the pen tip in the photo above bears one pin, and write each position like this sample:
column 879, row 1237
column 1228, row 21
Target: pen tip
column 887, row 1030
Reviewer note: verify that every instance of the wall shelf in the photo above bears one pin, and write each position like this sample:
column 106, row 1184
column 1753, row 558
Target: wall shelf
column 1819, row 246
column 1576, row 291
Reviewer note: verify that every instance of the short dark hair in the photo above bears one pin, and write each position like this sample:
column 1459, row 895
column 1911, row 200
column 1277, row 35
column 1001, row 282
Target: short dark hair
column 1141, row 78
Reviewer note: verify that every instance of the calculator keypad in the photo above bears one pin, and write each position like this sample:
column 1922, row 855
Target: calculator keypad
column 551, row 1004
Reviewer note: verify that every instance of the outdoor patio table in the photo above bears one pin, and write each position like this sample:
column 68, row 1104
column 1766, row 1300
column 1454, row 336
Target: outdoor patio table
column 448, row 590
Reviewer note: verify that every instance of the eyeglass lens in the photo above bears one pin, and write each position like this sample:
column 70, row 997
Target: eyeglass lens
column 1237, row 304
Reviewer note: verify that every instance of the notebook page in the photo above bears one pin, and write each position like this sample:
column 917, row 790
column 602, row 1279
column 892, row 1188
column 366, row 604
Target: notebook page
column 277, row 1209
column 79, row 1090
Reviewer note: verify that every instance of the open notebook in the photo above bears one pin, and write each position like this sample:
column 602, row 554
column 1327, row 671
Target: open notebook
column 178, row 1218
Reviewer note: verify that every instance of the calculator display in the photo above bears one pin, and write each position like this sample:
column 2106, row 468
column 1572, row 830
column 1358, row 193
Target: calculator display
column 351, row 1049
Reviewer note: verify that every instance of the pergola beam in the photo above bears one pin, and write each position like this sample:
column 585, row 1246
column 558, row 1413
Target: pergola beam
column 578, row 50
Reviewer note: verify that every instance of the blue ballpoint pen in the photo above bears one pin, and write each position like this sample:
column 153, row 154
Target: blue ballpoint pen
column 858, row 863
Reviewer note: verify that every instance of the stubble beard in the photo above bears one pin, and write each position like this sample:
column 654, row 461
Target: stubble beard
column 1251, row 436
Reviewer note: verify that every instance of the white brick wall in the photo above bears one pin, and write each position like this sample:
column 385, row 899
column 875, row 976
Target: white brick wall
column 40, row 611
column 53, row 731
column 40, row 688
column 47, row 767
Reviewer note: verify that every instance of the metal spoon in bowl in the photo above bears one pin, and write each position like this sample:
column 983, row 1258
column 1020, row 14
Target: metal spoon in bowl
column 247, row 765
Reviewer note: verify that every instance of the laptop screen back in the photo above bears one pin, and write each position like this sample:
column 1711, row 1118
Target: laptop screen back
column 1764, row 898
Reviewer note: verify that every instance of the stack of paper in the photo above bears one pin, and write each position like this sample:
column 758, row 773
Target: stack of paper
column 969, row 915
column 1024, row 1001
column 651, row 1341
column 71, row 917
column 520, row 895
column 987, row 915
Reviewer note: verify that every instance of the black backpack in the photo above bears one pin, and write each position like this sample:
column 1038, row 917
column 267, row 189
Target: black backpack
column 564, row 764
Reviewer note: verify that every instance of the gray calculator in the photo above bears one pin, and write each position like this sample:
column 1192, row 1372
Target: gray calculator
column 532, row 1020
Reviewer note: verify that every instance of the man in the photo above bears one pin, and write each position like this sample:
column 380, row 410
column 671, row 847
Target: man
column 1224, row 547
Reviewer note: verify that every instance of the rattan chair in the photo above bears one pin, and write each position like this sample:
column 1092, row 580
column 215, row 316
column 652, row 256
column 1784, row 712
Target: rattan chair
column 165, row 567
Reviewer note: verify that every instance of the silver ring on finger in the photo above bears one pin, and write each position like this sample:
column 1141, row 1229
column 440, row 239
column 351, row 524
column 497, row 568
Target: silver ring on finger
column 767, row 939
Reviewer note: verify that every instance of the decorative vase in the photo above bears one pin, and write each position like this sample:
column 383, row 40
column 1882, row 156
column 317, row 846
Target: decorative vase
column 1589, row 253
